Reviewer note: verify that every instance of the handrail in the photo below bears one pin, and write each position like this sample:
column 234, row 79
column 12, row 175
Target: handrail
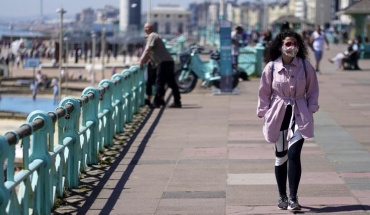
column 85, row 126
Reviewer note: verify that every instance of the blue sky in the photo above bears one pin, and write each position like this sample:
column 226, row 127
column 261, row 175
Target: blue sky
column 26, row 8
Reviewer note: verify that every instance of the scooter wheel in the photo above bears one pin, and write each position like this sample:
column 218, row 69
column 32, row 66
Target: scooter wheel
column 187, row 84
column 235, row 81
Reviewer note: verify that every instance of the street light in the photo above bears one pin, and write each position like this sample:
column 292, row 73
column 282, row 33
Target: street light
column 66, row 66
column 102, row 51
column 61, row 11
column 11, row 27
column 222, row 9
column 321, row 22
column 11, row 41
column 149, row 11
column 93, row 38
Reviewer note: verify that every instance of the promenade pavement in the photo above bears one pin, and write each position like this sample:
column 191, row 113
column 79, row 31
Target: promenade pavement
column 210, row 157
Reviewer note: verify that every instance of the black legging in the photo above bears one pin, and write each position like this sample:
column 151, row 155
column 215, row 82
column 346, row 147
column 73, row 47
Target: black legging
column 285, row 155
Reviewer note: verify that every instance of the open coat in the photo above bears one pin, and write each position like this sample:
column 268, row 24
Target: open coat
column 298, row 88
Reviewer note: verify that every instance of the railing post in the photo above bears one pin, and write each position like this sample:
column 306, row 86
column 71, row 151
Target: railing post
column 139, row 87
column 4, row 194
column 142, row 87
column 118, row 98
column 128, row 94
column 90, row 116
column 68, row 127
column 106, row 106
column 135, row 89
column 11, row 158
column 39, row 151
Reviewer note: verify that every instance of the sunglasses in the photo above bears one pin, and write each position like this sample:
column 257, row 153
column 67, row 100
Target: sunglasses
column 289, row 44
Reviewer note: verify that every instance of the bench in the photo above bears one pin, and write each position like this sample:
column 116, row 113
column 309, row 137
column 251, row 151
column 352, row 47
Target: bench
column 362, row 53
column 247, row 62
column 350, row 64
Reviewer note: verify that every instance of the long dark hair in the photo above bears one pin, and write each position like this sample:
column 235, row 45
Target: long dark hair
column 273, row 51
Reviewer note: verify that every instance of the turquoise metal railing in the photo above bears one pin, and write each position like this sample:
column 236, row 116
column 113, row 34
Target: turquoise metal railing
column 85, row 126
column 212, row 37
column 251, row 59
column 176, row 46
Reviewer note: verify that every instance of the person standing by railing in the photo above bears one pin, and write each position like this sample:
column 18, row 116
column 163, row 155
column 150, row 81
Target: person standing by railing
column 156, row 51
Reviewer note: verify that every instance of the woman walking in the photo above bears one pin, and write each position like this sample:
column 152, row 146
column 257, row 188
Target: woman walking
column 317, row 41
column 287, row 98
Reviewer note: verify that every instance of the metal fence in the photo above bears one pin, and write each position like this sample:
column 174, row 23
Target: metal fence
column 85, row 126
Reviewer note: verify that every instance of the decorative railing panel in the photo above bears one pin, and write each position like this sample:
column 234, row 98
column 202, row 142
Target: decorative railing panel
column 85, row 125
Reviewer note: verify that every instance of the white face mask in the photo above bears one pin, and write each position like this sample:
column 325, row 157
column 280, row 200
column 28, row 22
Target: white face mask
column 290, row 51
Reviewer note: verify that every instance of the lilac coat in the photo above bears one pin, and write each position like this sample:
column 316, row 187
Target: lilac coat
column 297, row 89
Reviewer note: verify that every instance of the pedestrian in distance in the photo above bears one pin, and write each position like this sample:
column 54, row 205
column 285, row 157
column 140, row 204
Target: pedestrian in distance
column 40, row 78
column 317, row 43
column 349, row 56
column 287, row 98
column 55, row 85
column 34, row 86
column 160, row 59
column 114, row 70
column 236, row 43
column 285, row 26
column 265, row 41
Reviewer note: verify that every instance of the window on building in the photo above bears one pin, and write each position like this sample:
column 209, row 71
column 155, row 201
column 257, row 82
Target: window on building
column 155, row 15
column 168, row 28
column 168, row 15
column 180, row 28
column 180, row 16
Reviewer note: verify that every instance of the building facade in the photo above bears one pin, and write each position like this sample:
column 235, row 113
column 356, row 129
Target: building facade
column 169, row 20
column 87, row 16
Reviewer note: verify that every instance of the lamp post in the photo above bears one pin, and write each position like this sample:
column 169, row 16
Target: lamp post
column 93, row 38
column 66, row 66
column 11, row 41
column 322, row 7
column 102, row 51
column 149, row 11
column 222, row 9
column 11, row 27
column 61, row 11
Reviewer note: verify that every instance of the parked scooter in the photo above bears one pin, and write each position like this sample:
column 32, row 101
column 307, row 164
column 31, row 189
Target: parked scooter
column 193, row 67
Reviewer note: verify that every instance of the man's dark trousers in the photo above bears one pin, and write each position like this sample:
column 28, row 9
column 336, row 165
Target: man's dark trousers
column 166, row 75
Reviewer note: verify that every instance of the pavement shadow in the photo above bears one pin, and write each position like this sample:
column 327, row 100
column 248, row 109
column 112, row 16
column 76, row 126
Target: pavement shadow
column 79, row 201
column 336, row 209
